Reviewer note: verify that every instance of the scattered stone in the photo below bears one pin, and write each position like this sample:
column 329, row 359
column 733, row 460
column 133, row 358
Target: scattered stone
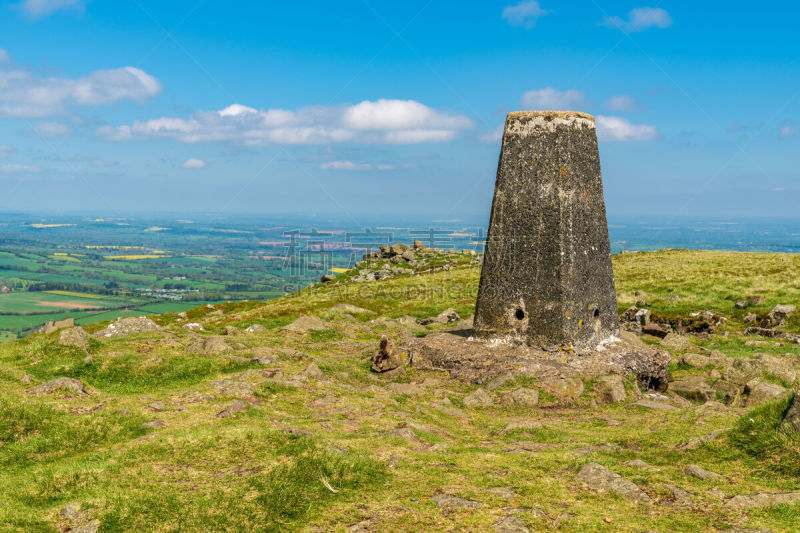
column 599, row 478
column 478, row 398
column 404, row 433
column 655, row 330
column 521, row 425
column 698, row 441
column 656, row 405
column 701, row 473
column 154, row 424
column 563, row 387
column 64, row 384
column 761, row 392
column 696, row 360
column 506, row 493
column 128, row 326
column 613, row 389
column 741, row 304
column 253, row 328
column 194, row 326
column 304, row 324
column 523, row 397
column 312, row 371
column 778, row 316
column 230, row 387
column 353, row 309
column 447, row 501
column 326, row 278
column 641, row 303
column 692, row 388
column 447, row 316
column 749, row 318
column 26, row 379
column 210, row 346
column 387, row 358
column 218, row 312
column 76, row 337
column 500, row 380
column 674, row 299
column 405, row 389
column 675, row 342
column 756, row 300
column 642, row 317
column 754, row 501
column 419, row 245
column 791, row 421
column 78, row 518
column 235, row 407
column 511, row 524
column 678, row 494
column 641, row 465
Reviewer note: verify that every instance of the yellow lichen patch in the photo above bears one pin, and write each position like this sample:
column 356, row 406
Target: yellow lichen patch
column 156, row 228
column 562, row 171
column 135, row 257
column 338, row 270
column 46, row 226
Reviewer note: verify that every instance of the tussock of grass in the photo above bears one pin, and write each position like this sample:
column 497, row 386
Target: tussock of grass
column 758, row 435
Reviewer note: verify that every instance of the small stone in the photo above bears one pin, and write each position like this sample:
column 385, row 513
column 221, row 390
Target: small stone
column 655, row 330
column 522, row 425
column 230, row 387
column 761, row 392
column 675, row 342
column 235, row 407
column 563, row 387
column 680, row 495
column 127, row 326
column 447, row 501
column 419, row 245
column 448, row 316
column 326, row 278
column 405, row 389
column 26, row 379
column 304, row 324
column 638, row 463
column 511, row 524
column 674, row 299
column 749, row 318
column 523, row 397
column 693, row 388
column 741, row 304
column 76, row 337
column 253, row 328
column 701, row 473
column 478, row 398
column 599, row 478
column 312, row 371
column 506, row 493
column 613, row 388
column 656, row 405
column 642, row 317
column 153, row 424
column 778, row 316
column 755, row 501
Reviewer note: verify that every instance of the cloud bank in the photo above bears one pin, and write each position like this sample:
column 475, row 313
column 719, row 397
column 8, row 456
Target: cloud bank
column 548, row 99
column 42, row 8
column 381, row 121
column 639, row 19
column 611, row 129
column 524, row 14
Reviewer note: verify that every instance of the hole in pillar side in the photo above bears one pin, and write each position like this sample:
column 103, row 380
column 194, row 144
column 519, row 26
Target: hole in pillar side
column 596, row 313
column 520, row 314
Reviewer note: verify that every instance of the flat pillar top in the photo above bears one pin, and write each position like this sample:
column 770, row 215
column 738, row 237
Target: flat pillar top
column 551, row 114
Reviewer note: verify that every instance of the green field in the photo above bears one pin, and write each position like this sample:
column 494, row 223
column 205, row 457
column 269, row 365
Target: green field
column 350, row 450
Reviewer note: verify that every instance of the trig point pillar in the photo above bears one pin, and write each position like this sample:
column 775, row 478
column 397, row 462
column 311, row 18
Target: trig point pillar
column 547, row 279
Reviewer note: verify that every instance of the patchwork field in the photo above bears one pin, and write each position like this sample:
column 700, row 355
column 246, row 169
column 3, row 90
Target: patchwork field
column 286, row 428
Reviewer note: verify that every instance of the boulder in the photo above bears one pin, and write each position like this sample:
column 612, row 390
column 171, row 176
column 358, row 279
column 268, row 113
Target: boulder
column 209, row 346
column 127, row 326
column 53, row 326
column 741, row 304
column 756, row 300
column 255, row 328
column 478, row 398
column 231, row 387
column 387, row 357
column 59, row 384
column 693, row 388
column 398, row 249
column 409, row 255
column 778, row 316
column 642, row 317
column 419, row 245
column 563, row 387
column 727, row 391
column 749, row 318
column 599, row 478
column 696, row 360
column 405, row 389
column 675, row 342
column 312, row 371
column 612, row 388
column 523, row 397
column 755, row 501
column 446, row 501
column 630, row 313
column 326, row 278
column 352, row 309
column 761, row 392
column 76, row 337
column 655, row 330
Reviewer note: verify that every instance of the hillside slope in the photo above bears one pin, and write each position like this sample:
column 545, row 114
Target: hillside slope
column 286, row 428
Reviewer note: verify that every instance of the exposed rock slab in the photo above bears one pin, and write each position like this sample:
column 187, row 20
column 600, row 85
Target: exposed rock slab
column 599, row 478
column 480, row 361
column 127, row 326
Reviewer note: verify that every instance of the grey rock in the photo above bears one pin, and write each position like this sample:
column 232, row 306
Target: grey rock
column 522, row 425
column 701, row 473
column 254, row 328
column 128, row 326
column 693, row 388
column 571, row 387
column 656, row 405
column 511, row 524
column 777, row 317
column 791, row 422
column 478, row 398
column 675, row 342
column 312, row 371
column 755, row 501
column 59, row 384
column 655, row 330
column 741, row 304
column 448, row 316
column 304, row 324
column 749, row 318
column 405, row 389
column 641, row 465
column 756, row 300
column 642, row 317
column 154, row 424
column 76, row 337
column 230, row 387
column 599, row 478
column 523, row 397
column 447, row 501
column 761, row 392
column 678, row 494
column 612, row 388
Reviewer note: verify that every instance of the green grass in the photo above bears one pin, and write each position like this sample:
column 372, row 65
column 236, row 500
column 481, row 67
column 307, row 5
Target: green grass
column 265, row 468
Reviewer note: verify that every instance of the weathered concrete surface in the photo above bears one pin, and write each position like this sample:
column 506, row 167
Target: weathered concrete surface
column 547, row 277
column 480, row 361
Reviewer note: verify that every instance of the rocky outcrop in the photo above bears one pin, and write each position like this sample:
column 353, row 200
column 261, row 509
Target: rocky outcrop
column 778, row 316
column 76, row 337
column 127, row 326
column 59, row 384
column 599, row 478
column 387, row 357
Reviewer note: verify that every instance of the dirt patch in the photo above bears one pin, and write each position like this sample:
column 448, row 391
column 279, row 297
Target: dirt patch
column 67, row 305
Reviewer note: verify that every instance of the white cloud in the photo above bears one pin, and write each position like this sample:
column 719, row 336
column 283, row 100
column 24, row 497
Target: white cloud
column 351, row 165
column 493, row 136
column 380, row 121
column 5, row 151
column 16, row 169
column 51, row 130
column 622, row 103
column 22, row 94
column 525, row 14
column 41, row 8
column 619, row 129
column 640, row 19
column 194, row 163
column 5, row 57
column 552, row 99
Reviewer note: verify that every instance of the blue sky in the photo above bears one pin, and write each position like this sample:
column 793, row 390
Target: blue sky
column 379, row 107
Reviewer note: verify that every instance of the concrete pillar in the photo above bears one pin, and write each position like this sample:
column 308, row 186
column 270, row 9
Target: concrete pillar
column 547, row 279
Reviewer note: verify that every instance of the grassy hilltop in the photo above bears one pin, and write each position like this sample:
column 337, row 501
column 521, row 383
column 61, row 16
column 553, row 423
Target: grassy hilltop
column 288, row 429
